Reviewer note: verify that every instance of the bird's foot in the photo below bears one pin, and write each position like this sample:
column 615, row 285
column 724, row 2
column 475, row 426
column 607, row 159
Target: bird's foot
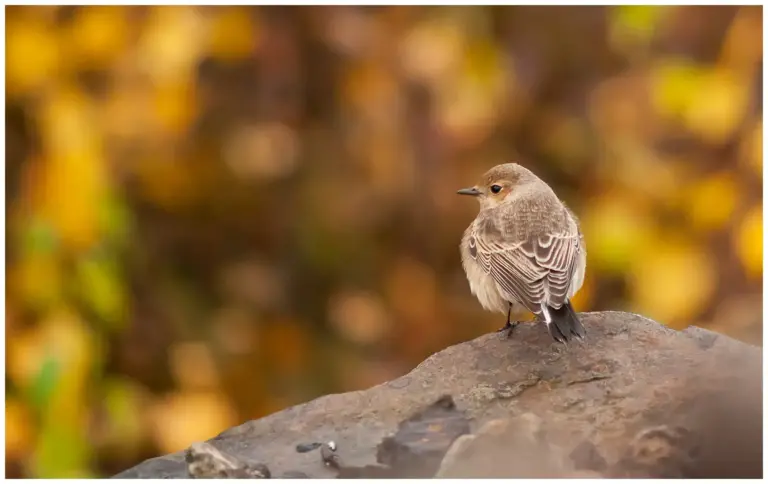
column 508, row 329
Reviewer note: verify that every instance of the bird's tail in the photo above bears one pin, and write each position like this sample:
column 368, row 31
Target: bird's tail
column 565, row 323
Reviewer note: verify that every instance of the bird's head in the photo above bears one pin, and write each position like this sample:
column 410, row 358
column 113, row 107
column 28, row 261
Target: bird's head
column 498, row 183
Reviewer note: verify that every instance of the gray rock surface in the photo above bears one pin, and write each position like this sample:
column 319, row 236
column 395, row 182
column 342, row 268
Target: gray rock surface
column 634, row 399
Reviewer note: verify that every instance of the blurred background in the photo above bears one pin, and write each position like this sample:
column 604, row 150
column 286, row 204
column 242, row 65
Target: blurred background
column 216, row 213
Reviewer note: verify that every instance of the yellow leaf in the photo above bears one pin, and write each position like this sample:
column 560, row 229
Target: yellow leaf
column 672, row 281
column 75, row 177
column 186, row 417
column 712, row 201
column 175, row 106
column 98, row 34
column 673, row 83
column 171, row 43
column 73, row 199
column 32, row 56
column 37, row 280
column 19, row 429
column 718, row 105
column 748, row 240
column 25, row 357
column 233, row 33
column 615, row 229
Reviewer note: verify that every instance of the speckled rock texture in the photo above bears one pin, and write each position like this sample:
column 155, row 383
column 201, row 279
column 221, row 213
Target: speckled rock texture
column 634, row 399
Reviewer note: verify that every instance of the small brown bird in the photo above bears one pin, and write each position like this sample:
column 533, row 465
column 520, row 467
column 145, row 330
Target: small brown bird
column 524, row 251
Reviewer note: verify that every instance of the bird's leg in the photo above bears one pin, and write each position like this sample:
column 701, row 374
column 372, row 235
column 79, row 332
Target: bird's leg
column 510, row 326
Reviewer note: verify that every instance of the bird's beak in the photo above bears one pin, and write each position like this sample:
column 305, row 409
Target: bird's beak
column 469, row 191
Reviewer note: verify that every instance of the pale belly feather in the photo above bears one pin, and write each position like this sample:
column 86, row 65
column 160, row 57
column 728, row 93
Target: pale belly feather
column 485, row 289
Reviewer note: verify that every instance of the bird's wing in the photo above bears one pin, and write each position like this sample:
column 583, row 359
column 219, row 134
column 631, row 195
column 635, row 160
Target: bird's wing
column 534, row 268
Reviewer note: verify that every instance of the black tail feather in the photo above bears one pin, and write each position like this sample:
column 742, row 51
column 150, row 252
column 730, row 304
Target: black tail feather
column 565, row 324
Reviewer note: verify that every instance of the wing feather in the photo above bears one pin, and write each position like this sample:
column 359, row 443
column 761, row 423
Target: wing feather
column 534, row 271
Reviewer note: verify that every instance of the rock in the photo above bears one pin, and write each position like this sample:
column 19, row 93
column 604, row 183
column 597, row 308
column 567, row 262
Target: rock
column 634, row 399
column 660, row 452
column 503, row 447
column 205, row 461
column 308, row 447
column 421, row 441
column 294, row 475
column 585, row 457
column 367, row 472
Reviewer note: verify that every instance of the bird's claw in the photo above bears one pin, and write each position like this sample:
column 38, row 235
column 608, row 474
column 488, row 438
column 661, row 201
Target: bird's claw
column 508, row 329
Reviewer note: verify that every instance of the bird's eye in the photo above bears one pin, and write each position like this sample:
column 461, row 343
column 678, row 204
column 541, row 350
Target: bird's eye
column 495, row 188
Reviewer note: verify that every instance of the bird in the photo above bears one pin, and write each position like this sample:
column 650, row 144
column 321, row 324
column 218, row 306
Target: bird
column 524, row 251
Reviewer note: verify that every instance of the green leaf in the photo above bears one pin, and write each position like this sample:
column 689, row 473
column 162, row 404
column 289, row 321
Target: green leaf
column 101, row 288
column 62, row 452
column 632, row 27
column 39, row 236
column 116, row 219
column 45, row 382
column 638, row 18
